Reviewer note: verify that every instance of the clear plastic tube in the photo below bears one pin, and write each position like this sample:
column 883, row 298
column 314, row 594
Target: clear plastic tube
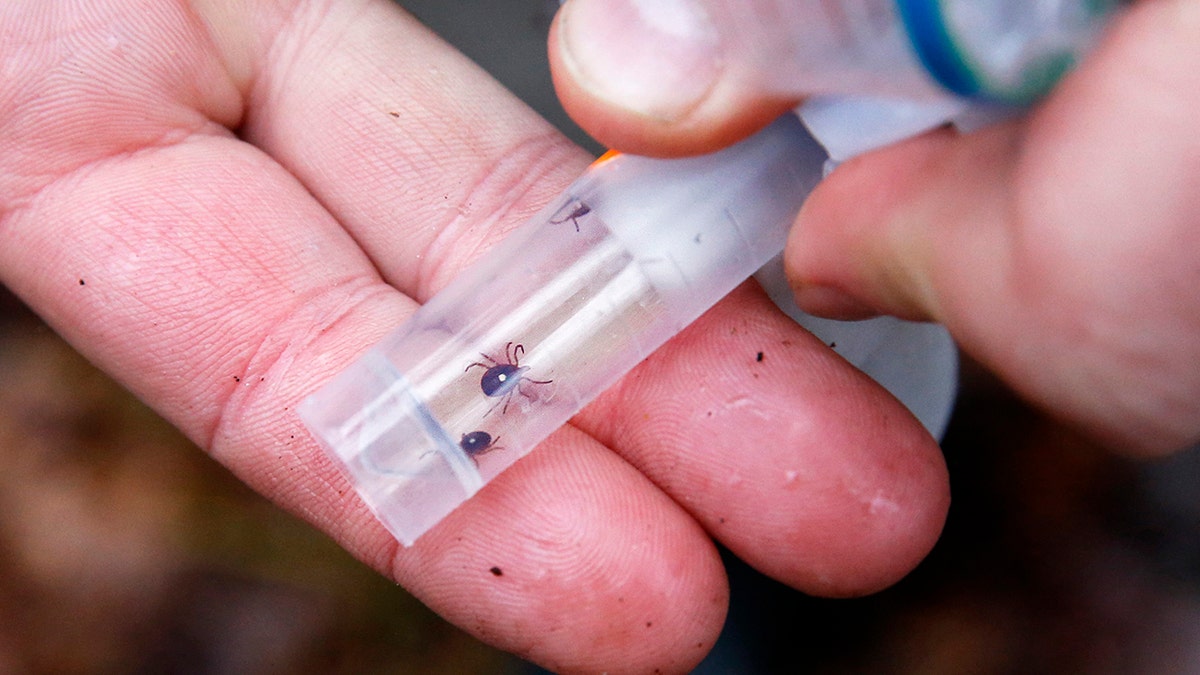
column 633, row 252
column 638, row 248
column 1003, row 51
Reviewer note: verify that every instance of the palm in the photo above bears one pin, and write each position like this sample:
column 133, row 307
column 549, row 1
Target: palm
column 223, row 210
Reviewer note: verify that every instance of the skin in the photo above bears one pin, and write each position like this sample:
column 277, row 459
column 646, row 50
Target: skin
column 223, row 203
column 1060, row 249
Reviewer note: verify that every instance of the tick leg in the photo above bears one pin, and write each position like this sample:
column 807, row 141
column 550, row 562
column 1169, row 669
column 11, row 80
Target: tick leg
column 493, row 408
column 502, row 403
column 527, row 395
column 574, row 216
column 485, row 366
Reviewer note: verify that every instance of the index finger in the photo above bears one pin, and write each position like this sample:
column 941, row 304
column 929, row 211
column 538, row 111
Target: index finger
column 581, row 524
column 858, row 446
column 212, row 283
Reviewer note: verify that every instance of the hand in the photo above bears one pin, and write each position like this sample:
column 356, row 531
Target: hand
column 1061, row 250
column 224, row 203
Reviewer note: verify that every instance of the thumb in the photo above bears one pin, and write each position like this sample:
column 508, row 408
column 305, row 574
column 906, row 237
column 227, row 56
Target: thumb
column 669, row 77
column 1061, row 250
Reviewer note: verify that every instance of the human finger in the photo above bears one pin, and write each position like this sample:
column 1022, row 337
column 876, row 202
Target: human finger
column 836, row 433
column 1045, row 246
column 208, row 279
column 675, row 77
column 795, row 461
column 256, row 438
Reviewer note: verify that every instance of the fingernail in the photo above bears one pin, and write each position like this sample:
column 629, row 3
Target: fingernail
column 657, row 58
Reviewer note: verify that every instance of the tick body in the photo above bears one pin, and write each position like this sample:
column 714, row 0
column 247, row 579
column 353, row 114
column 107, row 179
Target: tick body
column 502, row 379
column 580, row 211
column 477, row 442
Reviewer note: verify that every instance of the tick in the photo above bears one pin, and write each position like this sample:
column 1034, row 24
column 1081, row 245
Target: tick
column 504, row 378
column 574, row 216
column 478, row 442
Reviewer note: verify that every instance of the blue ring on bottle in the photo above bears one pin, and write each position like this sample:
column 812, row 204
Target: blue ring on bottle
column 927, row 31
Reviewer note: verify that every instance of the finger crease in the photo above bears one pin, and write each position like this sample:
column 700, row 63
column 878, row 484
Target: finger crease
column 509, row 181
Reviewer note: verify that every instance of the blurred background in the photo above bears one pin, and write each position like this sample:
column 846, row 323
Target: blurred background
column 124, row 549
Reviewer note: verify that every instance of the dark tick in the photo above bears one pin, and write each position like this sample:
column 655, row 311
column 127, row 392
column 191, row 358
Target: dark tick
column 478, row 442
column 504, row 378
column 574, row 216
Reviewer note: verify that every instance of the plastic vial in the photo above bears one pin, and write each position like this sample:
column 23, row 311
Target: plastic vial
column 634, row 251
column 638, row 248
column 1005, row 51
